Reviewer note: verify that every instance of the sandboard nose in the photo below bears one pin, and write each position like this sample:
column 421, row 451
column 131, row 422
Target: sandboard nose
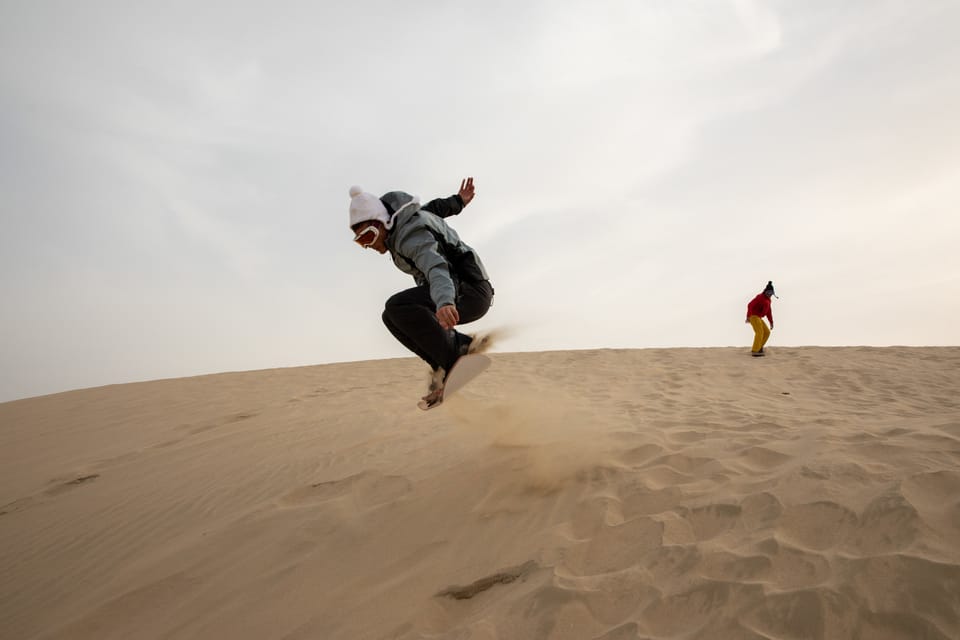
column 466, row 369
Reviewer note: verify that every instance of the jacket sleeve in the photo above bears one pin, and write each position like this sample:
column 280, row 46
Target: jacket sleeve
column 422, row 248
column 445, row 207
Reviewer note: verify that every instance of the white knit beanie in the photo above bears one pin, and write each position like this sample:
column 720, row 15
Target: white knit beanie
column 366, row 206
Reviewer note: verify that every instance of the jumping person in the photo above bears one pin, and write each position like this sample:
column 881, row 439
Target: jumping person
column 452, row 284
column 757, row 309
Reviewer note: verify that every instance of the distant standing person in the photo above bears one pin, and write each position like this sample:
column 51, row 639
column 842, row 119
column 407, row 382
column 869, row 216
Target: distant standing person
column 452, row 286
column 757, row 309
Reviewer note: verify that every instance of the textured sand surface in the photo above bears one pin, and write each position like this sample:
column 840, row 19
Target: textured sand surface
column 677, row 493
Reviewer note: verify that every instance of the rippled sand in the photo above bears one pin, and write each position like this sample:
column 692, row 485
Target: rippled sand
column 615, row 494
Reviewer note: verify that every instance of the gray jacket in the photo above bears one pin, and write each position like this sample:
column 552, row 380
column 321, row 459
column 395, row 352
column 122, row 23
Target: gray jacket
column 424, row 246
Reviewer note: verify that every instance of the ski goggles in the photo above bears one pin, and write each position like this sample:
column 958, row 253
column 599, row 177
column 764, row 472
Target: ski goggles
column 367, row 236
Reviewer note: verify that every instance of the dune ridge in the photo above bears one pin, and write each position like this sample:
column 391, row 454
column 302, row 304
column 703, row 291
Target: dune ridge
column 603, row 494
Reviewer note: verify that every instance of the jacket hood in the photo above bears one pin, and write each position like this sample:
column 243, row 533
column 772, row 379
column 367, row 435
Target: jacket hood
column 398, row 202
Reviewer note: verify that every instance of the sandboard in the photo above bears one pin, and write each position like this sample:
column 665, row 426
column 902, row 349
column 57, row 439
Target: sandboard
column 466, row 369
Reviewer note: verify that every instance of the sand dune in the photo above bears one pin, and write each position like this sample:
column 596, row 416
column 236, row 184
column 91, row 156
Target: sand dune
column 613, row 494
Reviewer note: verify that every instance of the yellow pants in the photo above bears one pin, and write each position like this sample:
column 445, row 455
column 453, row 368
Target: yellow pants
column 760, row 333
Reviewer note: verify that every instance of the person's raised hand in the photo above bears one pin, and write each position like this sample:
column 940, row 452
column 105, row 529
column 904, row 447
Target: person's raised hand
column 466, row 190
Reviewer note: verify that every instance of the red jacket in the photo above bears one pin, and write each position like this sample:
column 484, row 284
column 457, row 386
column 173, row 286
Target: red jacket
column 760, row 306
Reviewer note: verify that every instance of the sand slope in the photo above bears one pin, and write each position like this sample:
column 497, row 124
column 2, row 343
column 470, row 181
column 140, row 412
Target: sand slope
column 683, row 493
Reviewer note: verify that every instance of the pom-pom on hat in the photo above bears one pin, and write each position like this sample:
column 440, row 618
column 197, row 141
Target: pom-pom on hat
column 365, row 207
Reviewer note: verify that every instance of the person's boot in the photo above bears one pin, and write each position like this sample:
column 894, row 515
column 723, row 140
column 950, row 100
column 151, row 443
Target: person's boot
column 462, row 344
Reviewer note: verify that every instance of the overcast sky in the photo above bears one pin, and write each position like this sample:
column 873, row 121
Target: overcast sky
column 174, row 176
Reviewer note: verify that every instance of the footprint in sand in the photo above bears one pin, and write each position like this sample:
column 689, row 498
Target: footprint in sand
column 724, row 565
column 590, row 516
column 686, row 437
column 809, row 613
column 682, row 614
column 762, row 458
column 670, row 561
column 792, row 568
column 888, row 524
column 614, row 548
column 908, row 585
column 69, row 485
column 506, row 576
column 224, row 421
column 760, row 510
column 937, row 496
column 817, row 525
column 661, row 477
column 641, row 454
column 60, row 486
column 710, row 521
column 935, row 488
column 366, row 489
column 641, row 500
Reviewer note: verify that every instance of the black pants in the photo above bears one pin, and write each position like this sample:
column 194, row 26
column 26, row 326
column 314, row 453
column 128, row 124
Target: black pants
column 410, row 316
